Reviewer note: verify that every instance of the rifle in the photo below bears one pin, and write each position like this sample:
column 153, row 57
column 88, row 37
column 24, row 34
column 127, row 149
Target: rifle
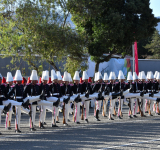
column 74, row 104
column 53, row 106
column 31, row 121
column 82, row 117
column 103, row 108
column 64, row 121
column 41, row 96
column 15, row 109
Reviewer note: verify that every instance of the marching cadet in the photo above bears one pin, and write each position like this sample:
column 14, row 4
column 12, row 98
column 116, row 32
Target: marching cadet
column 77, row 89
column 149, row 86
column 66, row 91
column 3, row 97
column 86, row 87
column 8, row 88
column 45, row 93
column 111, row 86
column 105, row 101
column 120, row 86
column 131, row 100
column 32, row 90
column 99, row 88
column 142, row 87
column 17, row 92
column 55, row 91
column 60, row 83
column 156, row 90
column 12, row 101
column 135, row 89
column 157, row 84
column 70, row 110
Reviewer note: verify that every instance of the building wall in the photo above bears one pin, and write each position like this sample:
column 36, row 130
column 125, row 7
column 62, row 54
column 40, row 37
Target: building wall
column 147, row 65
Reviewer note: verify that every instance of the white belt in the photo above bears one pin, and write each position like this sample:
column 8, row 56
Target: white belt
column 18, row 97
column 55, row 94
column 1, row 95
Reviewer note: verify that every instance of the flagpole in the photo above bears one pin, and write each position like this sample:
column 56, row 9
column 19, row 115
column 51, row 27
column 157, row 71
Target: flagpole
column 133, row 57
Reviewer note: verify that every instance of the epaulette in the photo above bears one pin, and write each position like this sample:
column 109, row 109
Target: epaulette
column 92, row 84
column 108, row 83
column 80, row 83
column 28, row 84
column 38, row 84
column 61, row 84
column 71, row 84
column 117, row 83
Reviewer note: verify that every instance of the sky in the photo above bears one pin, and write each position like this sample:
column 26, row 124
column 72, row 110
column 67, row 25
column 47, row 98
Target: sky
column 155, row 6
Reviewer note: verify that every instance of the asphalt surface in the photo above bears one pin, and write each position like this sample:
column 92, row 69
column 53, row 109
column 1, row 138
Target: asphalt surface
column 139, row 133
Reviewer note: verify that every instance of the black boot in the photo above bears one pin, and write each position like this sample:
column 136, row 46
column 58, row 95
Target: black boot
column 111, row 118
column 17, row 130
column 32, row 129
column 9, row 128
column 119, row 117
column 86, row 120
column 130, row 117
column 44, row 123
column 6, row 108
column 41, row 125
column 54, row 125
column 97, row 112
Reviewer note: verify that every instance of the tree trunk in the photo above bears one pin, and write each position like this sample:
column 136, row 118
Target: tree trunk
column 96, row 69
column 53, row 65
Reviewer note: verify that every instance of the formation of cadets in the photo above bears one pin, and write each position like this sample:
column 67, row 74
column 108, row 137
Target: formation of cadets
column 140, row 93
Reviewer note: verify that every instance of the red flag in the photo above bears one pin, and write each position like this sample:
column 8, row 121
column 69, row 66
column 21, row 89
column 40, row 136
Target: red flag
column 136, row 58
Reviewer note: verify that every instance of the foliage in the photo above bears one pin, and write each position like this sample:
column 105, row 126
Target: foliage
column 154, row 45
column 36, row 31
column 112, row 26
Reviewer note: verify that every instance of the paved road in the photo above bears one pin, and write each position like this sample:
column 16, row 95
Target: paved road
column 140, row 133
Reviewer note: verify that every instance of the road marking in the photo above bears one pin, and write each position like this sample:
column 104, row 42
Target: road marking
column 129, row 144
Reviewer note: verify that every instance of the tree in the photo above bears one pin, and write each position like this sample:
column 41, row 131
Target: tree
column 154, row 45
column 36, row 31
column 112, row 26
